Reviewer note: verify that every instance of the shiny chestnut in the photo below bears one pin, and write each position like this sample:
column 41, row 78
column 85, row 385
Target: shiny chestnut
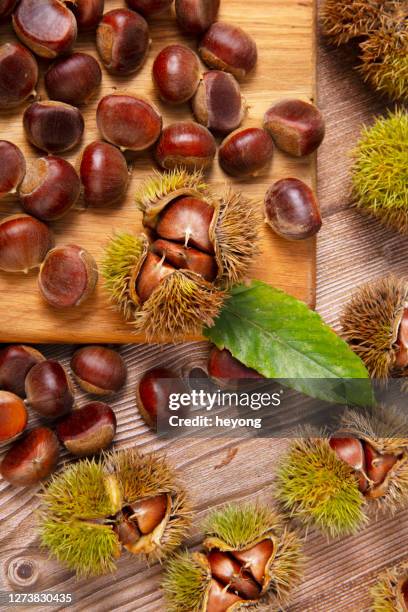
column 73, row 79
column 50, row 189
column 246, row 152
column 54, row 127
column 186, row 258
column 152, row 272
column 176, row 73
column 218, row 103
column 88, row 13
column 229, row 48
column 296, row 127
column 188, row 221
column 153, row 392
column 13, row 416
column 187, row 144
column 148, row 8
column 49, row 389
column 47, row 27
column 222, row 365
column 12, row 167
column 129, row 122
column 16, row 360
column 99, row 369
column 122, row 40
column 196, row 16
column 292, row 210
column 88, row 430
column 104, row 174
column 18, row 75
column 24, row 243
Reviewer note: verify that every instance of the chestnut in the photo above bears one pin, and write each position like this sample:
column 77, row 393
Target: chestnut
column 187, row 144
column 12, row 167
column 152, row 272
column 228, row 571
column 48, row 27
column 88, row 430
column 218, row 103
column 129, row 122
column 220, row 599
column 13, row 416
column 377, row 464
column 104, row 174
column 147, row 8
column 122, row 40
column 73, row 79
column 246, row 152
column 99, row 369
column 187, row 220
column 68, row 276
column 292, row 210
column 222, row 365
column 49, row 390
column 228, row 47
column 196, row 16
column 7, row 7
column 256, row 558
column 18, row 75
column 53, row 126
column 16, row 361
column 148, row 513
column 153, row 392
column 296, row 127
column 50, row 188
column 88, row 13
column 31, row 459
column 24, row 243
column 176, row 73
column 187, row 258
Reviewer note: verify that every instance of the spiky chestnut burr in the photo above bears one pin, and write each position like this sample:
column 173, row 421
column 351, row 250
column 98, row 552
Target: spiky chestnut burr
column 379, row 173
column 336, row 484
column 375, row 324
column 249, row 559
column 94, row 508
column 157, row 293
column 390, row 593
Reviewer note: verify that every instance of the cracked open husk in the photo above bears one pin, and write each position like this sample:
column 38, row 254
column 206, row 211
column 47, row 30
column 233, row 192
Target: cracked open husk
column 390, row 592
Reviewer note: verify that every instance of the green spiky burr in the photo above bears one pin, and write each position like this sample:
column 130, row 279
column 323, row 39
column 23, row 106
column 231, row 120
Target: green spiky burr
column 390, row 592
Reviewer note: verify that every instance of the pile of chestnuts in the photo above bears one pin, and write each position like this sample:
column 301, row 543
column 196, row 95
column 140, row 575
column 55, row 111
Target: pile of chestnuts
column 30, row 381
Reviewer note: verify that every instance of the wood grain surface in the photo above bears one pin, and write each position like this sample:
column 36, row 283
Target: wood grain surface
column 283, row 30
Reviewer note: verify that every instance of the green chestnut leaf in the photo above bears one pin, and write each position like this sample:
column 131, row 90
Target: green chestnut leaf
column 279, row 336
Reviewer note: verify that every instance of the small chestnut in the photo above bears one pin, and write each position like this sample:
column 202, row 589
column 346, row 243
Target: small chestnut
column 176, row 73
column 246, row 152
column 153, row 392
column 13, row 416
column 47, row 27
column 218, row 103
column 148, row 8
column 12, row 167
column 68, row 276
column 24, row 243
column 88, row 430
column 88, row 13
column 49, row 390
column 152, row 272
column 228, row 571
column 296, row 127
column 220, row 599
column 129, row 122
column 104, row 174
column 53, row 126
column 187, row 258
column 378, row 465
column 50, row 188
column 222, row 365
column 122, row 40
column 187, row 144
column 99, row 369
column 16, row 361
column 73, row 79
column 196, row 16
column 18, row 75
column 292, row 210
column 31, row 459
column 256, row 558
column 229, row 48
column 7, row 7
column 149, row 512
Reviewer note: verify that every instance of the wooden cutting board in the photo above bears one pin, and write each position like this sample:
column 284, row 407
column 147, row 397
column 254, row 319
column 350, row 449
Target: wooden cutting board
column 284, row 32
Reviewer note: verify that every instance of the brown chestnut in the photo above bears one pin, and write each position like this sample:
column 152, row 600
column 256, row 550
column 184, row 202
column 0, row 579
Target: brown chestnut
column 246, row 152
column 7, row 7
column 196, row 16
column 187, row 258
column 47, row 27
column 16, row 361
column 296, row 127
column 12, row 167
column 349, row 450
column 73, row 79
column 378, row 465
column 104, row 174
column 31, row 459
column 53, row 126
column 147, row 8
column 68, row 276
column 13, row 416
column 218, row 103
column 152, row 272
column 50, row 188
column 24, row 243
column 88, row 430
column 221, row 599
column 122, row 39
column 176, row 73
column 292, row 210
column 153, row 392
column 129, row 122
column 229, row 48
column 222, row 365
column 230, row 573
column 49, row 389
column 187, row 144
column 99, row 369
column 187, row 220
column 88, row 13
column 256, row 559
column 18, row 75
